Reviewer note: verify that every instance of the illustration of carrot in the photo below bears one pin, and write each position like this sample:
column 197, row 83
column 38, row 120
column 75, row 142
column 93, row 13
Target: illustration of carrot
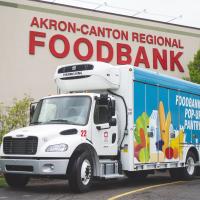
column 142, row 137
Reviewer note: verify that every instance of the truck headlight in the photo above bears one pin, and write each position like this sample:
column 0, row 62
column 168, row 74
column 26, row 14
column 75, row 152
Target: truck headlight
column 57, row 148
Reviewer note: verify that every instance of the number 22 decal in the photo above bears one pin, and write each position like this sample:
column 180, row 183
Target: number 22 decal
column 83, row 133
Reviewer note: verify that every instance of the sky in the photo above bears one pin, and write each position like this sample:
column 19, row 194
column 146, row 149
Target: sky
column 183, row 12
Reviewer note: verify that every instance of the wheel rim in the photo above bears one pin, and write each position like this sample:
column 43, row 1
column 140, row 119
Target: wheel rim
column 85, row 172
column 190, row 166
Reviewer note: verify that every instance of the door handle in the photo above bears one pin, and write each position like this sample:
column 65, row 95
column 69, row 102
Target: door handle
column 103, row 126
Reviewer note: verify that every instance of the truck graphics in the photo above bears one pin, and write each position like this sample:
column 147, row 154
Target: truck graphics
column 166, row 120
column 107, row 122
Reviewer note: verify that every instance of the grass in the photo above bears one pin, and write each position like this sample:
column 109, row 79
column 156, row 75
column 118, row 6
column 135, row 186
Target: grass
column 2, row 182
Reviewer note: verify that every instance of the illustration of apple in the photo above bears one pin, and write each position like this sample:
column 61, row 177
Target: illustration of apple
column 169, row 152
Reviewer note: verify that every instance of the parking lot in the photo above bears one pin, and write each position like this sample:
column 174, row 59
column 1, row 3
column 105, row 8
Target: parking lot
column 159, row 187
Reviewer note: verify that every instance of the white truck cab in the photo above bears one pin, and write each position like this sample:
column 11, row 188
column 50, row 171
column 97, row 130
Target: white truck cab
column 75, row 126
column 107, row 122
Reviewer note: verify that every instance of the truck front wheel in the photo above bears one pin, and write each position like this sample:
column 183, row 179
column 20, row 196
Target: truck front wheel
column 81, row 174
column 16, row 180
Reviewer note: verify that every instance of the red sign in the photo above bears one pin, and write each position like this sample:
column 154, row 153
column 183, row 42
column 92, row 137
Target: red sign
column 168, row 56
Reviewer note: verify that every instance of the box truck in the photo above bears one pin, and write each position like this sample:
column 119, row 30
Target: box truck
column 107, row 122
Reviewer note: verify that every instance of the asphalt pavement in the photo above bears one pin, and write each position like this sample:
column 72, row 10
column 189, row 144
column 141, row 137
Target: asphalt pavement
column 150, row 189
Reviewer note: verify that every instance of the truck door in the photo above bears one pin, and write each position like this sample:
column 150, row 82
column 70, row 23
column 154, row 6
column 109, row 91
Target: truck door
column 105, row 131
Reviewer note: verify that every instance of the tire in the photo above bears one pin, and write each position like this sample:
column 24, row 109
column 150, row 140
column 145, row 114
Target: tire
column 187, row 172
column 175, row 173
column 81, row 173
column 139, row 176
column 198, row 171
column 16, row 180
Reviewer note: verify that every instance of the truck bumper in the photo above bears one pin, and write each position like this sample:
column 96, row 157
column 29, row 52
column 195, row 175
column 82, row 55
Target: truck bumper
column 34, row 167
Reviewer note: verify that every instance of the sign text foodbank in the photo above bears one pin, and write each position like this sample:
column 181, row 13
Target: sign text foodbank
column 128, row 47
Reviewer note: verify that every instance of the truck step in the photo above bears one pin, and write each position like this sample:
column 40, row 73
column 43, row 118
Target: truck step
column 197, row 163
column 112, row 176
column 109, row 168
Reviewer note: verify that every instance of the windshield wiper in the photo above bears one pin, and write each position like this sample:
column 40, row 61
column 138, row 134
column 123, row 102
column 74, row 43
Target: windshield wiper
column 34, row 123
column 63, row 121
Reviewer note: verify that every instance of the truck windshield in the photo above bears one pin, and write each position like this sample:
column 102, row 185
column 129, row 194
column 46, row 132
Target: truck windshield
column 63, row 110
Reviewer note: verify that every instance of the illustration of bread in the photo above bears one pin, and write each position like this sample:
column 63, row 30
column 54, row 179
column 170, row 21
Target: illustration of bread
column 164, row 126
column 165, row 135
column 161, row 117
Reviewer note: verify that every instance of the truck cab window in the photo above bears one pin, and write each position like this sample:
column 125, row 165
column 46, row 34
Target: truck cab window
column 66, row 109
column 101, row 114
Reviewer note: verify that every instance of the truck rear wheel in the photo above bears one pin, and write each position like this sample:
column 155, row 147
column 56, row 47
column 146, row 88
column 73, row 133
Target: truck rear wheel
column 16, row 180
column 198, row 171
column 190, row 169
column 186, row 172
column 175, row 173
column 81, row 174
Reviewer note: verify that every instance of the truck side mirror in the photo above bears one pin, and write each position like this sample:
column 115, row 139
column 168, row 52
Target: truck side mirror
column 32, row 110
column 103, row 99
column 112, row 107
column 113, row 122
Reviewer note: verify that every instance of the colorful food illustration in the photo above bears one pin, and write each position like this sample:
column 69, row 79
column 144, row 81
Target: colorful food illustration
column 165, row 135
column 159, row 145
column 141, row 144
column 169, row 153
column 162, row 117
column 152, row 146
column 157, row 157
column 164, row 126
column 176, row 145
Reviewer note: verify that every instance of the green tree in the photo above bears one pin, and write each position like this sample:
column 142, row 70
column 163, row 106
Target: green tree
column 15, row 116
column 194, row 68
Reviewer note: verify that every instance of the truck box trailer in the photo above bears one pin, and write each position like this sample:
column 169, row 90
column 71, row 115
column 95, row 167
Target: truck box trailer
column 107, row 122
column 51, row 34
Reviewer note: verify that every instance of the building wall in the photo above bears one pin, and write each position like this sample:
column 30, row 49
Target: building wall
column 36, row 37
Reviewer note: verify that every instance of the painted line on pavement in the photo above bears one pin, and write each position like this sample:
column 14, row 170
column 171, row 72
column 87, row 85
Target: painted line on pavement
column 143, row 189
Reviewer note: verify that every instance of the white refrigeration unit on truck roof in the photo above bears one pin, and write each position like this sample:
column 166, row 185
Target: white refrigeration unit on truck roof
column 109, row 121
column 90, row 76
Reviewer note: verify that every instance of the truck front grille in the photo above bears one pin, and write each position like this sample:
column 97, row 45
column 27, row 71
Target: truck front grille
column 19, row 168
column 20, row 146
column 75, row 68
